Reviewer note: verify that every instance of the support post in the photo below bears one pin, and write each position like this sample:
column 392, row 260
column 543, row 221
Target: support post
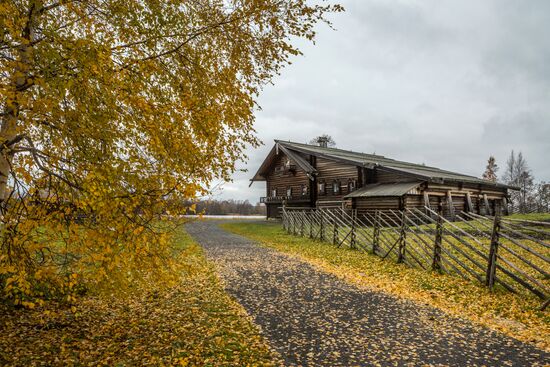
column 493, row 251
column 470, row 207
column 402, row 239
column 427, row 203
column 376, row 234
column 451, row 206
column 436, row 262
column 505, row 206
column 486, row 205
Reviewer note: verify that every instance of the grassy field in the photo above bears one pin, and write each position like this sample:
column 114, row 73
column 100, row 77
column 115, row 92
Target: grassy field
column 192, row 324
column 541, row 217
column 515, row 315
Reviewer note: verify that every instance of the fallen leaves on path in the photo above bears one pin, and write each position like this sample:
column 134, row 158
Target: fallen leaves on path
column 514, row 315
column 192, row 324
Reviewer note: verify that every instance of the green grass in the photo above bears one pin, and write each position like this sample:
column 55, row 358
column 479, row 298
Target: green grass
column 515, row 315
column 193, row 322
column 540, row 217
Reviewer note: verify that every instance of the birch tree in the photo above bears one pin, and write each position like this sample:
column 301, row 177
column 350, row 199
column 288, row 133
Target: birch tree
column 518, row 174
column 113, row 109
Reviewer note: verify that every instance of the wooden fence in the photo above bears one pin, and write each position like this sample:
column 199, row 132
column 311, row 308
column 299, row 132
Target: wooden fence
column 496, row 251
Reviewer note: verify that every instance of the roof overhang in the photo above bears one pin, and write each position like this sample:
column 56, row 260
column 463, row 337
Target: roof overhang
column 396, row 189
column 441, row 180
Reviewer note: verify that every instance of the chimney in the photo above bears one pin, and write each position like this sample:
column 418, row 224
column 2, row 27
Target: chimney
column 322, row 141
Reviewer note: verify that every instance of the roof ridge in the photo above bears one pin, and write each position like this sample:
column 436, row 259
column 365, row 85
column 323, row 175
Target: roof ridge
column 375, row 156
column 331, row 148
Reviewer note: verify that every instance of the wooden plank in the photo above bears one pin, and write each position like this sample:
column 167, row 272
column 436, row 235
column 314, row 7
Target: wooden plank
column 526, row 248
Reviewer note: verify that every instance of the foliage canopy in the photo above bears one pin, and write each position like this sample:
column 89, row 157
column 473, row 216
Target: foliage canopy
column 113, row 111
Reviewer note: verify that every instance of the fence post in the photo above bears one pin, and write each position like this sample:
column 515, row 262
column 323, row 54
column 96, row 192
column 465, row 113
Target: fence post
column 302, row 223
column 353, row 216
column 376, row 235
column 297, row 222
column 402, row 239
column 321, row 225
column 311, row 224
column 335, row 233
column 290, row 222
column 436, row 263
column 493, row 250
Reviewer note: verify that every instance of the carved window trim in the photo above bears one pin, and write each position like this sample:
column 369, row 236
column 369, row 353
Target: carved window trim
column 322, row 187
column 336, row 189
column 352, row 185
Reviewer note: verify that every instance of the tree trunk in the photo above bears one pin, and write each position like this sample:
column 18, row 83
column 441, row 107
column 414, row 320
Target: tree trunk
column 20, row 82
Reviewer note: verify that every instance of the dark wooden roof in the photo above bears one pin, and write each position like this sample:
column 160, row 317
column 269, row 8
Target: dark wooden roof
column 418, row 171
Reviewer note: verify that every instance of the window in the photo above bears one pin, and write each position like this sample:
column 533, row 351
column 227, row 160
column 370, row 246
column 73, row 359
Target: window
column 274, row 192
column 289, row 191
column 336, row 187
column 322, row 187
column 352, row 184
column 305, row 190
column 287, row 163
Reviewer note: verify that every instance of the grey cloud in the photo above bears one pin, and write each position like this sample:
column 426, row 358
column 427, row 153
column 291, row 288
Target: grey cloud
column 446, row 83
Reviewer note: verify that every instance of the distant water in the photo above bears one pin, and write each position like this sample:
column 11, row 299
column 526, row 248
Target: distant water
column 255, row 217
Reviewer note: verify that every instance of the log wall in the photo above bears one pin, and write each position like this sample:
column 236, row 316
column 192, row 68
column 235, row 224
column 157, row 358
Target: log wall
column 330, row 171
column 280, row 179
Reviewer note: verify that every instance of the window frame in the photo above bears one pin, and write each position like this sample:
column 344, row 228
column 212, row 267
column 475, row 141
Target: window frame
column 322, row 187
column 336, row 187
column 352, row 185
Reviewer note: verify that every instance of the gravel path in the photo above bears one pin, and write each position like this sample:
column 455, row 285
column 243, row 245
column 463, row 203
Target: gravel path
column 314, row 319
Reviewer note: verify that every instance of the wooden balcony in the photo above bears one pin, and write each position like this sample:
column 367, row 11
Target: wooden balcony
column 288, row 199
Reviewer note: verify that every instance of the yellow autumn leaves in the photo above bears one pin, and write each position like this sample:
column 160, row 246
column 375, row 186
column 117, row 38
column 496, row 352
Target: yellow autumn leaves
column 115, row 112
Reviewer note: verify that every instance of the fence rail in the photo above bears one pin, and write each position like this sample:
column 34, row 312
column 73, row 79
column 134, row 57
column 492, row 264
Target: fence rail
column 496, row 251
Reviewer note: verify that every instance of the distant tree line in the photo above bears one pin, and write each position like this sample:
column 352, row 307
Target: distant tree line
column 532, row 196
column 226, row 207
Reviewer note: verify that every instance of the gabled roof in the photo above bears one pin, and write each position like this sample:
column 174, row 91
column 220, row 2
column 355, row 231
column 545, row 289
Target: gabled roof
column 417, row 171
column 384, row 189
column 291, row 154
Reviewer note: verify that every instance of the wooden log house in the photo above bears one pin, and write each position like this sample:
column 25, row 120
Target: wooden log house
column 304, row 175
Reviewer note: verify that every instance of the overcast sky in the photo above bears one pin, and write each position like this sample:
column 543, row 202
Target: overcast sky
column 445, row 83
